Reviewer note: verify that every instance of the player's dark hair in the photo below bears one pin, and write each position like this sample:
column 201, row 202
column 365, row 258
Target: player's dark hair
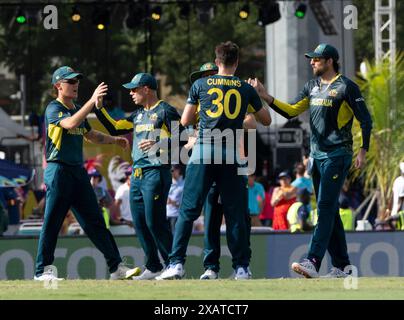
column 227, row 53
column 335, row 65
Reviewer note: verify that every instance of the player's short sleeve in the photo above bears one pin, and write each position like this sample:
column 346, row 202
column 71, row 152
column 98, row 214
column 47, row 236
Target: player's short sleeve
column 172, row 120
column 172, row 114
column 193, row 96
column 56, row 113
column 254, row 103
column 132, row 116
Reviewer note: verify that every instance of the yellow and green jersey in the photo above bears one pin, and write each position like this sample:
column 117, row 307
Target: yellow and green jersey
column 223, row 103
column 154, row 123
column 332, row 109
column 63, row 145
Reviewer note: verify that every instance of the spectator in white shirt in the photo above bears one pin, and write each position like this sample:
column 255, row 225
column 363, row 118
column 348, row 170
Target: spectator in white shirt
column 122, row 199
column 175, row 195
column 398, row 192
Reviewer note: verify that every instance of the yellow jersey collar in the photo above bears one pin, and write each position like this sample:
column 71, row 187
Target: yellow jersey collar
column 153, row 106
column 60, row 101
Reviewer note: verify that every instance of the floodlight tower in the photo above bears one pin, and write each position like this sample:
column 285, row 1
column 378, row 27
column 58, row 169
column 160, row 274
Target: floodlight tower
column 385, row 42
column 385, row 30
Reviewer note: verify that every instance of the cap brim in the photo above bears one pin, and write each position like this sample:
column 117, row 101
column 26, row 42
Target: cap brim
column 74, row 75
column 129, row 85
column 196, row 75
column 312, row 55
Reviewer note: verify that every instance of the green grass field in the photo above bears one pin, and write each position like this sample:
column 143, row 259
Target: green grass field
column 368, row 288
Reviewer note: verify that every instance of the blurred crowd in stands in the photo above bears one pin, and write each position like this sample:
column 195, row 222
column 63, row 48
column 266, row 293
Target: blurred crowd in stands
column 283, row 203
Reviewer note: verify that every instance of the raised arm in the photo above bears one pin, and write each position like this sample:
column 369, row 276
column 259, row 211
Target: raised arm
column 288, row 110
column 75, row 120
column 115, row 128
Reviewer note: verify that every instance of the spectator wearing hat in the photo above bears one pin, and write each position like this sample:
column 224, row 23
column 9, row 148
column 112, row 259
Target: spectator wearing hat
column 282, row 198
column 300, row 216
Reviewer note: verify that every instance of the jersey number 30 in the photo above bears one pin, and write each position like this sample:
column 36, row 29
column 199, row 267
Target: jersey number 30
column 223, row 103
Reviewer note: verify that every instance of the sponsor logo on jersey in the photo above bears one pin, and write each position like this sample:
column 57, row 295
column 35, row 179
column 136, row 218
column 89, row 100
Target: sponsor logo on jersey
column 360, row 99
column 321, row 102
column 153, row 117
column 60, row 114
column 332, row 93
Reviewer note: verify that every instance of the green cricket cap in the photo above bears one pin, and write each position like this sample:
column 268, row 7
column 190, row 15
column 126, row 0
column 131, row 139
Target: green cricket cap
column 140, row 80
column 324, row 50
column 208, row 66
column 65, row 72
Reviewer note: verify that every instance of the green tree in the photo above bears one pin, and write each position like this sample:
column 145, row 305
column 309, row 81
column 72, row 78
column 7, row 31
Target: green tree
column 111, row 55
column 117, row 53
column 386, row 145
column 177, row 55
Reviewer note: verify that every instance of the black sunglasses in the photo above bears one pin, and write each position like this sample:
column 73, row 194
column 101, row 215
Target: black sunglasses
column 70, row 81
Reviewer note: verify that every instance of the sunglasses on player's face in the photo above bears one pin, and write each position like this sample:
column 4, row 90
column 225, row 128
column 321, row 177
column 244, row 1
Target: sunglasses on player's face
column 70, row 81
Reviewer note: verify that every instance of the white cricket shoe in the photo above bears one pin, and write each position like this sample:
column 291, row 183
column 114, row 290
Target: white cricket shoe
column 148, row 275
column 336, row 273
column 242, row 273
column 209, row 275
column 174, row 271
column 123, row 272
column 47, row 275
column 305, row 268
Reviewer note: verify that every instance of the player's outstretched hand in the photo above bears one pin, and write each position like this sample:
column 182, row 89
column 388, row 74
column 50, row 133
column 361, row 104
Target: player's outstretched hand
column 99, row 93
column 122, row 142
column 258, row 86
